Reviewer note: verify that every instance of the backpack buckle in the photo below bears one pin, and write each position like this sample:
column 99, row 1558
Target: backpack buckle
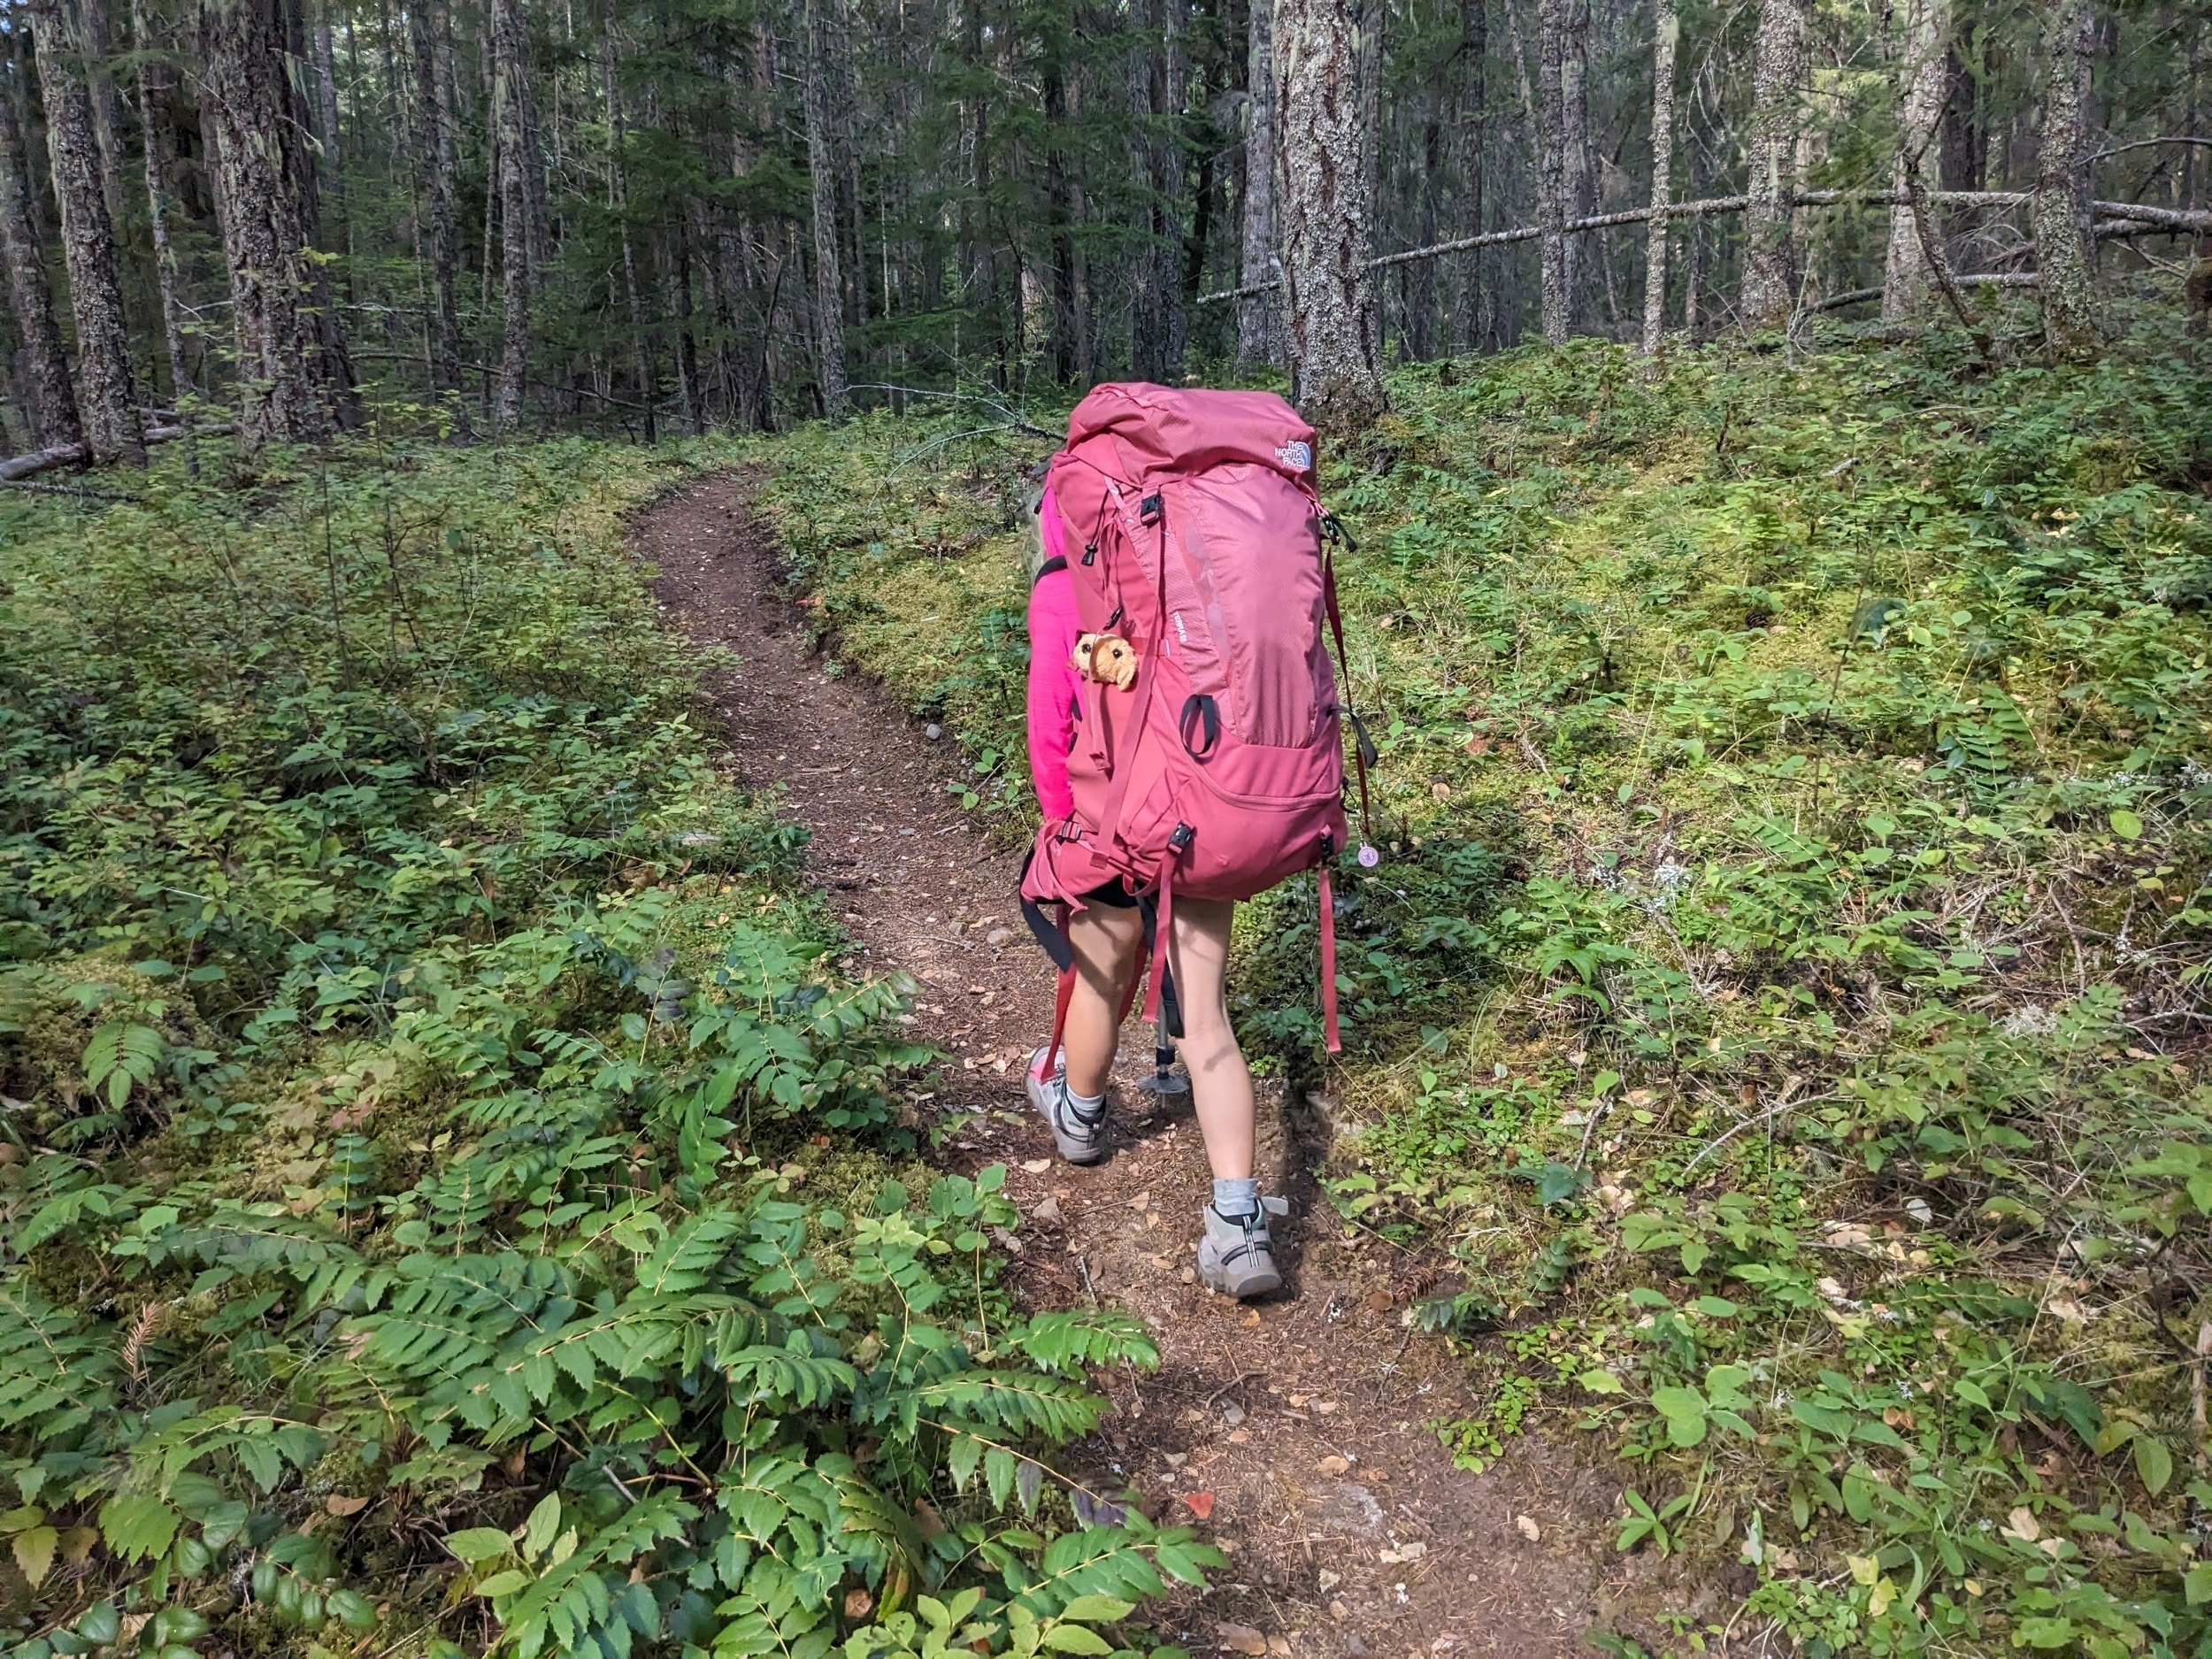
column 1181, row 839
column 1150, row 509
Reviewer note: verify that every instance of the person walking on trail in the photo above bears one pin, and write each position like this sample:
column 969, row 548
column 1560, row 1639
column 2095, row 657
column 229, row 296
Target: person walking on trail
column 1186, row 743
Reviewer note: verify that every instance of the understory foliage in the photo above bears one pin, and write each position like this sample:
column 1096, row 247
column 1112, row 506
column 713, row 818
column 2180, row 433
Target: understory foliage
column 1777, row 1014
column 451, row 1200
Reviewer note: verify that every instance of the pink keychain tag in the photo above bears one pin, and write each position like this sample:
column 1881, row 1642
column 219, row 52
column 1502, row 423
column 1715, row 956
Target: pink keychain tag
column 1367, row 856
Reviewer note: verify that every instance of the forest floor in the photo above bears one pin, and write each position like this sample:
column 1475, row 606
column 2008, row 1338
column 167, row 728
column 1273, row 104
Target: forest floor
column 1299, row 1431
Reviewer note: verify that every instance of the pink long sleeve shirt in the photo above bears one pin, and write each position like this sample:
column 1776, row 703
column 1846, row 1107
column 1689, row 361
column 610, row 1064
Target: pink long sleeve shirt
column 1054, row 627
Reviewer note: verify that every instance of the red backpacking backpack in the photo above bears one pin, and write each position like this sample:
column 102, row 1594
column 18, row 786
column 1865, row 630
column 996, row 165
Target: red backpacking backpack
column 1196, row 539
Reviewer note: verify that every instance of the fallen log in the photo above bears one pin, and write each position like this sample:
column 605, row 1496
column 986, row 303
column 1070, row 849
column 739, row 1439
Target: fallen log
column 2154, row 221
column 61, row 455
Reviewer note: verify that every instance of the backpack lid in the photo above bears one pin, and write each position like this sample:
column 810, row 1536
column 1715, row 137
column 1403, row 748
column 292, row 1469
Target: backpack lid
column 1150, row 429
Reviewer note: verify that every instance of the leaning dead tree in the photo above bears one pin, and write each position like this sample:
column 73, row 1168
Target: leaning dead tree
column 2113, row 219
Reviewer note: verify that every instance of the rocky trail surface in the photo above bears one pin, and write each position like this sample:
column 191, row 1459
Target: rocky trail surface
column 1299, row 1433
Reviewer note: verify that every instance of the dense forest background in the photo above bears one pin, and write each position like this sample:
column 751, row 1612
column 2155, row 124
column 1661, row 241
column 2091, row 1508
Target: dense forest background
column 462, row 1191
column 744, row 212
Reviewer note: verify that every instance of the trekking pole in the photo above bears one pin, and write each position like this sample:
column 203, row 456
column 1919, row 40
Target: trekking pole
column 1165, row 1080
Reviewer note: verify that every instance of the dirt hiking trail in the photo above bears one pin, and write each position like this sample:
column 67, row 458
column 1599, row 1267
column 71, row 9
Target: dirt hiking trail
column 1298, row 1429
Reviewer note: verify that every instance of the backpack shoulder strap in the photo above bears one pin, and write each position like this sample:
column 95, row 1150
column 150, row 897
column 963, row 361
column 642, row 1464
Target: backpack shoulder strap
column 1058, row 562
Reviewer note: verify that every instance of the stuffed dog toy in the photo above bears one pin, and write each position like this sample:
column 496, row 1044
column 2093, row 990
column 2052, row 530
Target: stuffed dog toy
column 1107, row 658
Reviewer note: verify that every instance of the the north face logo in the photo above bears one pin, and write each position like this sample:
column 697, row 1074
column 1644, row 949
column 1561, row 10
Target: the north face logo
column 1295, row 455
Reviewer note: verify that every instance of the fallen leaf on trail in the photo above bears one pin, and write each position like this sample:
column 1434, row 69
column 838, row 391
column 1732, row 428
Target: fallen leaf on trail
column 1333, row 1466
column 1199, row 1503
column 1142, row 1200
column 1279, row 1646
column 1036, row 1166
column 1251, row 1319
column 858, row 1604
column 340, row 1505
column 1242, row 1639
column 1238, row 1437
column 1330, row 1580
column 1528, row 1527
column 2021, row 1524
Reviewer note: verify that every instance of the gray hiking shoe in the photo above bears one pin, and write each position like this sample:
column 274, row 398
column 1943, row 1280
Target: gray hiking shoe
column 1237, row 1257
column 1080, row 1139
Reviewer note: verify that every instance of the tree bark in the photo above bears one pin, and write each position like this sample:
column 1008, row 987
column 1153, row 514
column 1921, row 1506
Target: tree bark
column 829, row 308
column 1576, row 172
column 1666, row 34
column 1259, row 322
column 511, row 103
column 153, row 79
column 107, row 106
column 1323, row 203
column 1556, row 254
column 1067, row 318
column 619, row 204
column 1159, row 327
column 292, row 385
column 2060, row 211
column 107, row 392
column 1478, row 311
column 677, row 285
column 53, row 398
column 428, row 23
column 1908, row 280
column 1780, row 64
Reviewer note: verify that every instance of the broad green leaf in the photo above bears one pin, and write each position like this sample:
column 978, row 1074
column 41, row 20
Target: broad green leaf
column 2154, row 1463
column 1075, row 1639
column 478, row 1544
column 35, row 1552
column 1098, row 1610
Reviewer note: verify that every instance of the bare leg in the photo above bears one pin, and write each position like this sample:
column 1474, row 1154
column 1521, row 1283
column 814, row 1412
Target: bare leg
column 1221, row 1087
column 1107, row 944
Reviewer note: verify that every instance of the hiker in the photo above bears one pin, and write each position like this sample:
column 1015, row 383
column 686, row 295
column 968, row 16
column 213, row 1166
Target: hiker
column 1185, row 745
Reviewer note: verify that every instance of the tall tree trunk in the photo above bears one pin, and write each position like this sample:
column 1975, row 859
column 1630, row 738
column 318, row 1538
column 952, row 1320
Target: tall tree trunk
column 324, row 108
column 1578, row 180
column 107, row 392
column 153, row 80
column 1323, row 209
column 1666, row 32
column 2060, row 211
column 829, row 307
column 1416, row 326
column 52, row 407
column 1067, row 324
column 1477, row 306
column 1925, row 72
column 1557, row 250
column 676, row 283
column 1259, row 316
column 511, row 101
column 291, row 390
column 107, row 106
column 333, row 368
column 619, row 203
column 1780, row 65
column 1156, row 328
column 427, row 22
